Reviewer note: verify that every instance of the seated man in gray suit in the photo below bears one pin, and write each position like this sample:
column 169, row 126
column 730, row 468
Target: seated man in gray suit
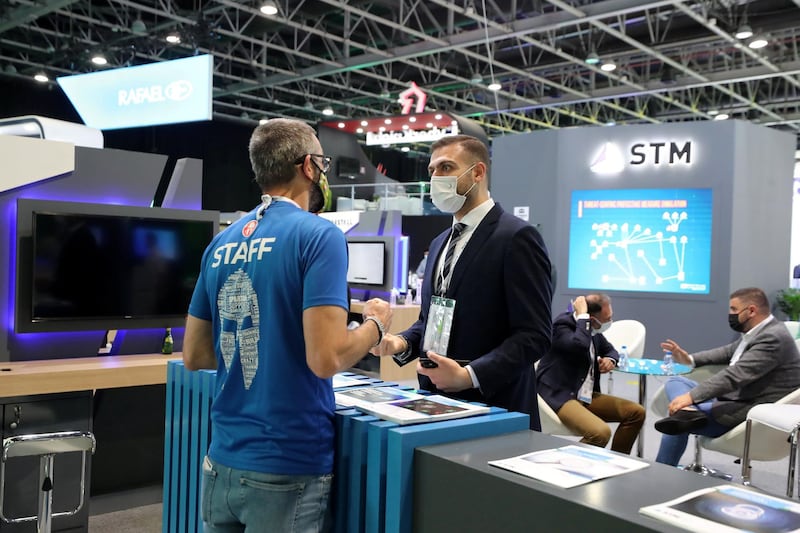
column 763, row 366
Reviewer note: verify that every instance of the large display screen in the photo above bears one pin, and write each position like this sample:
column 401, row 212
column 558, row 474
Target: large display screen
column 88, row 266
column 145, row 95
column 650, row 240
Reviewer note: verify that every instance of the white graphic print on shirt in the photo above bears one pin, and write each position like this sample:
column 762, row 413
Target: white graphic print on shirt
column 239, row 318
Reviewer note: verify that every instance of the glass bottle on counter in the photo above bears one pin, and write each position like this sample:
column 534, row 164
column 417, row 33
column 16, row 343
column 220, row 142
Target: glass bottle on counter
column 168, row 344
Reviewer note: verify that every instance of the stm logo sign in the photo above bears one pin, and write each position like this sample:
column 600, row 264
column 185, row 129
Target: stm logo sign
column 609, row 159
column 177, row 91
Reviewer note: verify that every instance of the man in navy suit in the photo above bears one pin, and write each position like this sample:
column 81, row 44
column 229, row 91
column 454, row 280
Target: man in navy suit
column 493, row 273
column 568, row 378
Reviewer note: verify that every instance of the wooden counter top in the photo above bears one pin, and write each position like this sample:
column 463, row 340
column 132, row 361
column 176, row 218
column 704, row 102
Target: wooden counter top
column 23, row 378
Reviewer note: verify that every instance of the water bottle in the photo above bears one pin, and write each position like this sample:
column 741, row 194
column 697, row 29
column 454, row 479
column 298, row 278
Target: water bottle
column 622, row 362
column 667, row 366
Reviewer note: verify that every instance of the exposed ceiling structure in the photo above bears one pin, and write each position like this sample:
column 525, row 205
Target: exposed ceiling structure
column 675, row 60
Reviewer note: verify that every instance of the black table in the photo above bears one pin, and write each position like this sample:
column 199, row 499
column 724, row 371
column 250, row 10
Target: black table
column 456, row 490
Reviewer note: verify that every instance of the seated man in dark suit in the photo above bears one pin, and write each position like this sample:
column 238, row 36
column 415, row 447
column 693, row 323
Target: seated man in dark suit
column 763, row 366
column 568, row 377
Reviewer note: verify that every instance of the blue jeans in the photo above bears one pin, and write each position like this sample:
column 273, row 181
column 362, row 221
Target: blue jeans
column 253, row 502
column 673, row 446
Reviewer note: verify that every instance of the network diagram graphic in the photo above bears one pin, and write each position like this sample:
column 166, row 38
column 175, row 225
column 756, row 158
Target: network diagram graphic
column 656, row 240
column 632, row 240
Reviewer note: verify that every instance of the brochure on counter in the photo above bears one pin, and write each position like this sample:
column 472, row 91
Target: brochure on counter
column 728, row 508
column 367, row 396
column 340, row 381
column 422, row 409
column 570, row 466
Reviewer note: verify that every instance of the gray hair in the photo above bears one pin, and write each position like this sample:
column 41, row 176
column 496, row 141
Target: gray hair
column 275, row 146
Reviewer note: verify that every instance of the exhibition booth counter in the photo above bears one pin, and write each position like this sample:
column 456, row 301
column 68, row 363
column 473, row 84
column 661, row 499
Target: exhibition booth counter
column 456, row 489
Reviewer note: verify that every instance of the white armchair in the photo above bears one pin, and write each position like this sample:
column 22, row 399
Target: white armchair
column 769, row 417
column 630, row 333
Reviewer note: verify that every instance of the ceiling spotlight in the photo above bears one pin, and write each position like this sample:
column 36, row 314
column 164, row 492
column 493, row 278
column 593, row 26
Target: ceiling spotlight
column 41, row 77
column 476, row 78
column 405, row 149
column 744, row 32
column 494, row 86
column 713, row 112
column 592, row 58
column 173, row 38
column 759, row 41
column 99, row 60
column 263, row 121
column 722, row 116
column 328, row 111
column 608, row 66
column 138, row 27
column 308, row 105
column 10, row 69
column 269, row 8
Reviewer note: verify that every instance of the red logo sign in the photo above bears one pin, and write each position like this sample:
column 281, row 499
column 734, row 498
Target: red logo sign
column 249, row 228
column 407, row 99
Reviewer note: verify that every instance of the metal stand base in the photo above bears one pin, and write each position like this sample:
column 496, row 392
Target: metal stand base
column 706, row 471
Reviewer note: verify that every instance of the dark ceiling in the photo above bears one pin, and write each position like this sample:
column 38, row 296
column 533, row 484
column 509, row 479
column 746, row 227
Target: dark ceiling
column 676, row 60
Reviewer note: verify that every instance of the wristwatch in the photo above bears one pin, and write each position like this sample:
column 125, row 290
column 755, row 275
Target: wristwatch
column 379, row 324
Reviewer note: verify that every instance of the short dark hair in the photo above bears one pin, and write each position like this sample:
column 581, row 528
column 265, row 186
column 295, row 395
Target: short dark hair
column 472, row 145
column 752, row 296
column 275, row 146
column 596, row 301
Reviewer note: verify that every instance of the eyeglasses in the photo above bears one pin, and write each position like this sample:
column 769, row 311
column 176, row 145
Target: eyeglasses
column 326, row 161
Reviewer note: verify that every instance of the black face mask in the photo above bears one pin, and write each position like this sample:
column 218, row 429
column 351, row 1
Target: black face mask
column 316, row 198
column 734, row 323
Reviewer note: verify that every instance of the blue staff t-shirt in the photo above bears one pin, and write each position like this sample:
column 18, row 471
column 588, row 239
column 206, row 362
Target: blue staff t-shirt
column 270, row 413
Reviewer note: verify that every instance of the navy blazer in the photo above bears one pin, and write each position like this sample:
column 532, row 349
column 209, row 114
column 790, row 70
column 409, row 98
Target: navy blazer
column 562, row 371
column 501, row 324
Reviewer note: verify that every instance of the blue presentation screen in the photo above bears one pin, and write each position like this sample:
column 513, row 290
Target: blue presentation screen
column 653, row 240
column 145, row 95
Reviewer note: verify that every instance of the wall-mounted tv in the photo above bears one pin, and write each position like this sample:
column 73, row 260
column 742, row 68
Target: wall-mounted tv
column 348, row 167
column 96, row 266
column 649, row 240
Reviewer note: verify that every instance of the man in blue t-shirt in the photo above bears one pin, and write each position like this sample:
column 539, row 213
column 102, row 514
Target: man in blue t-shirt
column 269, row 312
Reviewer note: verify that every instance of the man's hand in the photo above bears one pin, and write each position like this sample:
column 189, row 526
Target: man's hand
column 449, row 376
column 380, row 309
column 679, row 355
column 684, row 400
column 580, row 306
column 606, row 364
column 390, row 345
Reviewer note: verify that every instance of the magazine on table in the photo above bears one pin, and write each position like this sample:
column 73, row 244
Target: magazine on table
column 432, row 408
column 570, row 466
column 366, row 396
column 340, row 381
column 728, row 508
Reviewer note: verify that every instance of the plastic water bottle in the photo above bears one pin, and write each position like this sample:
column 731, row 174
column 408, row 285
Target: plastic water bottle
column 667, row 366
column 622, row 362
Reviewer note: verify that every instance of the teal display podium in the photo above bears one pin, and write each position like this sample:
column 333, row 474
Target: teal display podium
column 373, row 482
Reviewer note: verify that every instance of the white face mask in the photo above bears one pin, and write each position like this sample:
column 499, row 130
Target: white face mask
column 603, row 327
column 444, row 192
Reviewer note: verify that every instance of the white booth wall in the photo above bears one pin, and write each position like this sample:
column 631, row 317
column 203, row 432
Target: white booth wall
column 748, row 168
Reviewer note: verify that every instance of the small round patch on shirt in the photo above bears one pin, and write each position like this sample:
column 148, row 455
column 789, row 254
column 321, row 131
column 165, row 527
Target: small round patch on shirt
column 249, row 228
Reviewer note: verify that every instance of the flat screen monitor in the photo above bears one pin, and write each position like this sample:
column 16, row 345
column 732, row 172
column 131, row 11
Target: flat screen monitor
column 366, row 263
column 348, row 167
column 646, row 240
column 92, row 266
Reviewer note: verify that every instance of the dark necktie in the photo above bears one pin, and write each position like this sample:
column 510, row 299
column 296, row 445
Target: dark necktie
column 458, row 229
